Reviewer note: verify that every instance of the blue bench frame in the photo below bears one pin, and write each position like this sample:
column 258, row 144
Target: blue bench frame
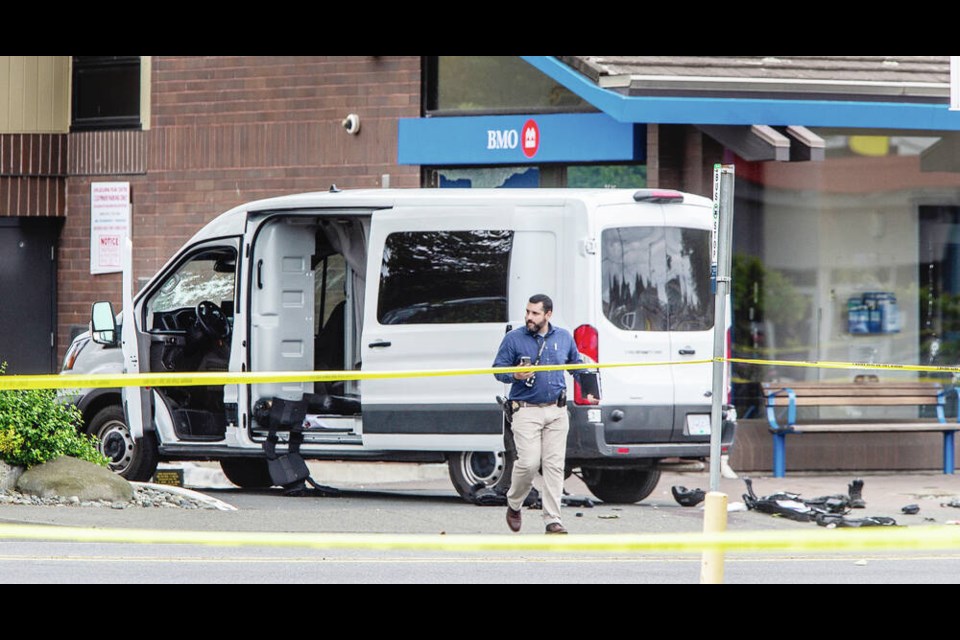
column 780, row 431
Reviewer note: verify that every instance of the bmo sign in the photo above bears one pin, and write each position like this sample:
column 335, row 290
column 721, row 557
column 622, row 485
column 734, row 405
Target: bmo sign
column 527, row 138
column 521, row 138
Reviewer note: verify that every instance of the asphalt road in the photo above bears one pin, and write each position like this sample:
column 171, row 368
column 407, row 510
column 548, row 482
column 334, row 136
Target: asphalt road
column 374, row 503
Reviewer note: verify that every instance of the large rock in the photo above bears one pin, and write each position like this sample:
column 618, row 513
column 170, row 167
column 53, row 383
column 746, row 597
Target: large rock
column 9, row 476
column 66, row 477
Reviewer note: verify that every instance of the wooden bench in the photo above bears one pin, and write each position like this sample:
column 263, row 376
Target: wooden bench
column 868, row 393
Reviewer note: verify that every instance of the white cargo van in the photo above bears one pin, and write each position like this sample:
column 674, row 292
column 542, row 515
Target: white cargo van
column 425, row 279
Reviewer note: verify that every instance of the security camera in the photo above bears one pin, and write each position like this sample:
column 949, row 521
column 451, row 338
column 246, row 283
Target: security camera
column 352, row 124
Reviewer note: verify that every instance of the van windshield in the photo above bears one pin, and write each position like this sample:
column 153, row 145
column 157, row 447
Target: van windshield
column 657, row 278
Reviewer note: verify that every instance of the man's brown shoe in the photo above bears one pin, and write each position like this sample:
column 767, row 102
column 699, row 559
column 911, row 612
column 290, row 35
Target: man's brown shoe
column 513, row 519
column 555, row 527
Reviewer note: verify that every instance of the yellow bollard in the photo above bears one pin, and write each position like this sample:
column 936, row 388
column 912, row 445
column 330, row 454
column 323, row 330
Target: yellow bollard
column 714, row 521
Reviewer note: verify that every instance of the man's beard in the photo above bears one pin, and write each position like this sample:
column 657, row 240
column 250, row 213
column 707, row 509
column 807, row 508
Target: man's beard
column 534, row 327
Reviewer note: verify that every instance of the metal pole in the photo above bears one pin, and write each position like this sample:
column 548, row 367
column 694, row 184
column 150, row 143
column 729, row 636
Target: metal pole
column 720, row 273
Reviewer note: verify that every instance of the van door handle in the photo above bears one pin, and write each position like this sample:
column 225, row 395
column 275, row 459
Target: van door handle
column 687, row 351
column 380, row 343
column 259, row 274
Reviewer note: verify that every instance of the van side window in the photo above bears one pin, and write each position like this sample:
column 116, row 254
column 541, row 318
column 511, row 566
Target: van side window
column 657, row 279
column 432, row 277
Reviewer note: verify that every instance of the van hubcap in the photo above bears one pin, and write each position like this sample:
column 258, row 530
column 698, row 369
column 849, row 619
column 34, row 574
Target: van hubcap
column 482, row 467
column 117, row 444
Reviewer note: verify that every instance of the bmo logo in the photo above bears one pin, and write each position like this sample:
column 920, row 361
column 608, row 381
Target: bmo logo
column 531, row 138
column 528, row 139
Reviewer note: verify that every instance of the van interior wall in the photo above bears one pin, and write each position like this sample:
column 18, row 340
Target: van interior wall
column 337, row 345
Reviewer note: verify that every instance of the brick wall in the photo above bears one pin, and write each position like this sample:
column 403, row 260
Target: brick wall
column 226, row 130
column 32, row 172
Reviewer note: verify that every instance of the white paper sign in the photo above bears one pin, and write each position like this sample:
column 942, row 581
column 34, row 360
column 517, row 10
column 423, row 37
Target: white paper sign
column 109, row 225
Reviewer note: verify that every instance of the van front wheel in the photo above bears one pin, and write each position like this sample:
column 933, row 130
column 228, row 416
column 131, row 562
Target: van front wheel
column 135, row 460
column 620, row 486
column 472, row 470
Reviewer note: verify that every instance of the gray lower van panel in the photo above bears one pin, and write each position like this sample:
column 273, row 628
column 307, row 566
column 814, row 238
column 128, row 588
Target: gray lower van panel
column 453, row 419
column 638, row 424
column 588, row 441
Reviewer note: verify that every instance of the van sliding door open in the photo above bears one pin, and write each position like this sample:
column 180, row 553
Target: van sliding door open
column 436, row 300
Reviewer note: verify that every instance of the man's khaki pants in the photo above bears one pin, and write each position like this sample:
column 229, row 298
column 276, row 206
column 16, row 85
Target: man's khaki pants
column 540, row 434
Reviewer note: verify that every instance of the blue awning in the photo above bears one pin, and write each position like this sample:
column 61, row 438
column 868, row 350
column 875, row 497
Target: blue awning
column 750, row 111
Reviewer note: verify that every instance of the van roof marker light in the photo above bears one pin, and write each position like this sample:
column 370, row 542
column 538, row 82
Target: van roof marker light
column 659, row 196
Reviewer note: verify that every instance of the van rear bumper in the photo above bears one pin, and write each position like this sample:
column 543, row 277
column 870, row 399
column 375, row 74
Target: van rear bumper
column 586, row 442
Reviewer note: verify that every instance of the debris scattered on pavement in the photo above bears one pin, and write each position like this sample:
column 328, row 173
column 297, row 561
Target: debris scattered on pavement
column 855, row 492
column 953, row 503
column 485, row 496
column 860, row 563
column 687, row 497
column 573, row 501
column 736, row 506
column 608, row 516
column 911, row 509
column 831, row 521
column 826, row 511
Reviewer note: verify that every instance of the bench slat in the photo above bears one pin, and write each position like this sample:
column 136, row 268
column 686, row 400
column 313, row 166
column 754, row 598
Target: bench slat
column 839, row 401
column 821, row 383
column 878, row 427
column 856, row 391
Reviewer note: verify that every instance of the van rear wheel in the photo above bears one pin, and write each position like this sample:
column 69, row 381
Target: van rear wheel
column 620, row 486
column 472, row 470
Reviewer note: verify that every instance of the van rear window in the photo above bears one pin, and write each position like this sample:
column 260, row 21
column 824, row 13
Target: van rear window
column 433, row 277
column 657, row 278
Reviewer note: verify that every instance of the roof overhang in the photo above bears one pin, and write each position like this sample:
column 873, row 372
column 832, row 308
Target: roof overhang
column 750, row 111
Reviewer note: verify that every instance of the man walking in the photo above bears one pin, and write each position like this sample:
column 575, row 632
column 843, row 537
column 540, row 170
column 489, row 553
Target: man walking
column 540, row 421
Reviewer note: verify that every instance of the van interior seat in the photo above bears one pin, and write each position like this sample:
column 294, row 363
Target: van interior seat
column 328, row 355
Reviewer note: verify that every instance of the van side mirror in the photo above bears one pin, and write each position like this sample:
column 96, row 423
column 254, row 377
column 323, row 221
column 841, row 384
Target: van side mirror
column 103, row 324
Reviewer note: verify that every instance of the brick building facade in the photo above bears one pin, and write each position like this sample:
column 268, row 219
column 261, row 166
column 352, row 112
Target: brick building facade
column 223, row 130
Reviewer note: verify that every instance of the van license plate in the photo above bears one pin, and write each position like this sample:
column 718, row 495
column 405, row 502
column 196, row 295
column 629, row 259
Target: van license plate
column 698, row 425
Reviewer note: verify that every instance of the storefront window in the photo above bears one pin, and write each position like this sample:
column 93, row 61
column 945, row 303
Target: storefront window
column 492, row 84
column 854, row 259
column 614, row 176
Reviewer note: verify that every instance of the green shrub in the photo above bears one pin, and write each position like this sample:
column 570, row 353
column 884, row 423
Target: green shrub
column 35, row 426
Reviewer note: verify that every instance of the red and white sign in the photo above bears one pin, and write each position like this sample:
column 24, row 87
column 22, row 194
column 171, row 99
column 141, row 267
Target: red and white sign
column 109, row 225
column 530, row 135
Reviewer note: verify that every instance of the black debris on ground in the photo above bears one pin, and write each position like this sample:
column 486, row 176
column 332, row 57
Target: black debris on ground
column 826, row 511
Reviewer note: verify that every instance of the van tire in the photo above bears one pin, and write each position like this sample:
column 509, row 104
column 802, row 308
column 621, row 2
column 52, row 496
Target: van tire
column 620, row 486
column 471, row 468
column 247, row 473
column 135, row 460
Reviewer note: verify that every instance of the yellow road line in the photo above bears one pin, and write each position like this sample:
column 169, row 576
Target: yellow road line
column 843, row 539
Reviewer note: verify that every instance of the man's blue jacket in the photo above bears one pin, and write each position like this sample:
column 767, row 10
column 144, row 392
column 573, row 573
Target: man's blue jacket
column 558, row 348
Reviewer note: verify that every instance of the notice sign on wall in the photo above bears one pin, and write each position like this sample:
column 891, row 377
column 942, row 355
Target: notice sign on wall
column 109, row 225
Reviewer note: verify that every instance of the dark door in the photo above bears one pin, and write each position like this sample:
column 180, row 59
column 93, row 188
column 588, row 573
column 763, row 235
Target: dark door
column 27, row 295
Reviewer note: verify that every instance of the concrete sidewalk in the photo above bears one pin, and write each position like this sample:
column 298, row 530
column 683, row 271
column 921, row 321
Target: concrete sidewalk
column 885, row 494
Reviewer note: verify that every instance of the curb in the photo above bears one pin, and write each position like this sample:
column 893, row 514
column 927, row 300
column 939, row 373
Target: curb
column 187, row 493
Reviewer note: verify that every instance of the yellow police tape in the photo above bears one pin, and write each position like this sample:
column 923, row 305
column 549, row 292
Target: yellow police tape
column 927, row 538
column 212, row 378
column 820, row 540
